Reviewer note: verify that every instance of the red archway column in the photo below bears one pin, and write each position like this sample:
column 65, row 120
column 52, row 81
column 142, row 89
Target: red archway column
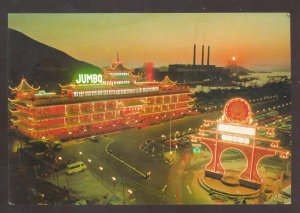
column 252, row 174
column 210, row 143
column 222, row 147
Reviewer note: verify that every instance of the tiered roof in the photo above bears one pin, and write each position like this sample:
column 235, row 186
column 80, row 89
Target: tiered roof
column 24, row 87
column 119, row 66
column 168, row 81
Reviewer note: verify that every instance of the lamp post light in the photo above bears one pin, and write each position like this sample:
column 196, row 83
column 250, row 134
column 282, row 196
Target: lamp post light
column 130, row 194
column 80, row 153
column 101, row 168
column 56, row 168
column 89, row 160
column 114, row 182
column 70, row 134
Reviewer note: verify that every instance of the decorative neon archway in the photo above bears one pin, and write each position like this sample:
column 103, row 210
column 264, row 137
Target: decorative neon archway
column 230, row 148
column 236, row 130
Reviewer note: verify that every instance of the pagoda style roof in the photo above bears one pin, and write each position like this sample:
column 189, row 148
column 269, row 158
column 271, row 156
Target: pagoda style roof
column 118, row 65
column 24, row 87
column 168, row 81
column 67, row 86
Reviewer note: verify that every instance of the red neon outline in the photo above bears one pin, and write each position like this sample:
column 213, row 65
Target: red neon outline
column 249, row 114
column 241, row 152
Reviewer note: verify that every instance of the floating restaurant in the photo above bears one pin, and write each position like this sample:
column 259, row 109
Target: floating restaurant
column 97, row 103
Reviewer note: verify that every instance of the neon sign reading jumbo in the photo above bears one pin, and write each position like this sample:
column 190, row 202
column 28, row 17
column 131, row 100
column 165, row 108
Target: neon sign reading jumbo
column 89, row 79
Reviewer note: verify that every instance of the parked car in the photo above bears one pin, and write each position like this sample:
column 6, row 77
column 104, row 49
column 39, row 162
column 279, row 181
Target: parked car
column 81, row 202
column 75, row 167
column 93, row 138
column 114, row 200
column 56, row 145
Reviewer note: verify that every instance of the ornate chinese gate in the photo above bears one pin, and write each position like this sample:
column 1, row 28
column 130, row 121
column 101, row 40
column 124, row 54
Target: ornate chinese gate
column 236, row 130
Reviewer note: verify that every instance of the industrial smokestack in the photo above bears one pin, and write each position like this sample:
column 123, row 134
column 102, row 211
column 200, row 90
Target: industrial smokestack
column 194, row 59
column 202, row 61
column 208, row 55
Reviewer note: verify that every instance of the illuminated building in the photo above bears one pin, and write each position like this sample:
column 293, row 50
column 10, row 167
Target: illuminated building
column 96, row 103
column 236, row 130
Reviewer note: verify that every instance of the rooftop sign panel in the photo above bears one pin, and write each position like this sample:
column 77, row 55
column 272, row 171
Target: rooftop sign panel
column 89, row 79
column 236, row 129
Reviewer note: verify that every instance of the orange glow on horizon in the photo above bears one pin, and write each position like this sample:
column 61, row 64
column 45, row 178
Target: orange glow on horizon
column 256, row 39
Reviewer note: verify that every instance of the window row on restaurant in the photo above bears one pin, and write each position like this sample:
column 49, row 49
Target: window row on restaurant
column 115, row 92
column 116, row 82
column 119, row 73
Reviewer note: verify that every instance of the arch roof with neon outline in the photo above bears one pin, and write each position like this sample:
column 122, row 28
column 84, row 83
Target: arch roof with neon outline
column 168, row 81
column 24, row 87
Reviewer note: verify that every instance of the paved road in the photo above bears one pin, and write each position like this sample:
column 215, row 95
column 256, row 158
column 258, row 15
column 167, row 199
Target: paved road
column 125, row 147
column 175, row 184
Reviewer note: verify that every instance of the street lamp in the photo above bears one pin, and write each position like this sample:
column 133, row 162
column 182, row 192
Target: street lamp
column 56, row 168
column 89, row 160
column 130, row 194
column 114, row 182
column 80, row 153
column 101, row 168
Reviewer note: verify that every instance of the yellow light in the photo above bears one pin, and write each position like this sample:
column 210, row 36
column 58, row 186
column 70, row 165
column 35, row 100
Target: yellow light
column 233, row 58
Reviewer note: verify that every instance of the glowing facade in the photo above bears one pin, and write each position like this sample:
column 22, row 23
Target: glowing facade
column 97, row 103
column 236, row 130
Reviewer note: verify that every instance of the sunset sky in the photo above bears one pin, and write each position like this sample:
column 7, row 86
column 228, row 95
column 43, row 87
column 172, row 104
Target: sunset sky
column 259, row 41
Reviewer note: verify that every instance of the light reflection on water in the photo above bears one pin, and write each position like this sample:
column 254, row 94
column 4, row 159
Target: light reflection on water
column 262, row 79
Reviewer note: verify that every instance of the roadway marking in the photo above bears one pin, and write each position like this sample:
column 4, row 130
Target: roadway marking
column 147, row 145
column 189, row 189
column 92, row 173
column 150, row 189
column 164, row 188
column 118, row 159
